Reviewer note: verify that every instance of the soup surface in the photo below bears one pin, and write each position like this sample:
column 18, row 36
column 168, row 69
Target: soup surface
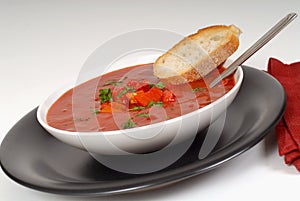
column 131, row 97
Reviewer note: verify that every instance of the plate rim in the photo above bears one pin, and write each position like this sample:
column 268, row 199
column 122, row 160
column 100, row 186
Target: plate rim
column 167, row 177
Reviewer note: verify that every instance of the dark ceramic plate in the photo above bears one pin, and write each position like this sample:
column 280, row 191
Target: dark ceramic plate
column 33, row 158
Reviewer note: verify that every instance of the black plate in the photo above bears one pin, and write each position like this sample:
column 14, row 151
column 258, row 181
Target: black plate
column 33, row 158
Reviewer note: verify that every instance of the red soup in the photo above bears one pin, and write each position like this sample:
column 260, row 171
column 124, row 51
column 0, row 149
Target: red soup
column 131, row 97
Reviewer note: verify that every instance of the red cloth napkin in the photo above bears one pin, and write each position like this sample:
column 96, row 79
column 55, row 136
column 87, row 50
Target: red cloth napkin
column 288, row 129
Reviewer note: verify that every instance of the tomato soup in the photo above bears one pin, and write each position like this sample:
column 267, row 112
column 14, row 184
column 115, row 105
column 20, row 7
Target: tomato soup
column 131, row 97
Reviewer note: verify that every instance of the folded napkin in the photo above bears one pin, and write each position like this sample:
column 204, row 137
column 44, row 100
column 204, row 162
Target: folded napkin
column 288, row 129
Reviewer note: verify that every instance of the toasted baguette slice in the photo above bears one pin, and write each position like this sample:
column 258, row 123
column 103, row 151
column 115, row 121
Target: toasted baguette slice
column 198, row 54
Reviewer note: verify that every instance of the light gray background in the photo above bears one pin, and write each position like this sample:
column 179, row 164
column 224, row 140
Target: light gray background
column 43, row 45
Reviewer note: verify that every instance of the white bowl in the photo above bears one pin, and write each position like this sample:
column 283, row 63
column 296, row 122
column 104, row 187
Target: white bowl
column 141, row 139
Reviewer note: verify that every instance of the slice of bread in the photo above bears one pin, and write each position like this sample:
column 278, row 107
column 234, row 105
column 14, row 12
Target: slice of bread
column 198, row 54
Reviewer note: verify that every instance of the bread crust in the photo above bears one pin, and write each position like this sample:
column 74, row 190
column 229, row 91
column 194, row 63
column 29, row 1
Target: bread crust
column 215, row 57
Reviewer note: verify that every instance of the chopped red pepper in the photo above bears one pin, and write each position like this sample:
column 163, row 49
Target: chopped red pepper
column 155, row 93
column 141, row 98
column 144, row 98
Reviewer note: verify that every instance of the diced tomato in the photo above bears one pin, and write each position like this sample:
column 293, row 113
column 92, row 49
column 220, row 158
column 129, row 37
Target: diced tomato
column 113, row 107
column 144, row 98
column 168, row 96
column 145, row 88
column 155, row 94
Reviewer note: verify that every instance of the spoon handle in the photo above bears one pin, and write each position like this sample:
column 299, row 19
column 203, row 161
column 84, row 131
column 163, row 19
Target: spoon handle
column 255, row 47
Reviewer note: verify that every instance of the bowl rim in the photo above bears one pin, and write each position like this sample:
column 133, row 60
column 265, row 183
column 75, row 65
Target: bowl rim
column 66, row 87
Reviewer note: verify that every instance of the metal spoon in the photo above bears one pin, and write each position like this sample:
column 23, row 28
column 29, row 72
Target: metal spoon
column 255, row 47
